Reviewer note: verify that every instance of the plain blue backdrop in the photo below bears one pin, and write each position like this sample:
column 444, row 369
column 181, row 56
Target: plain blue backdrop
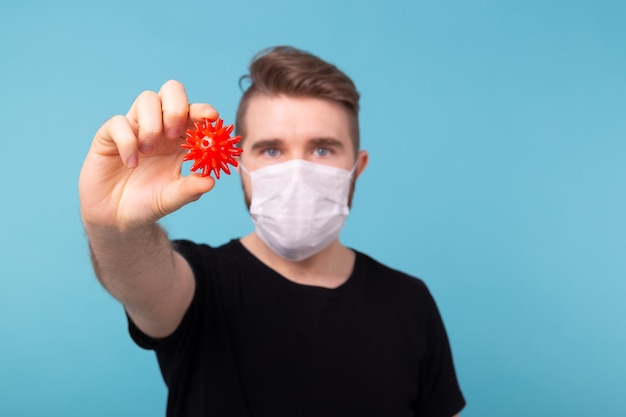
column 497, row 136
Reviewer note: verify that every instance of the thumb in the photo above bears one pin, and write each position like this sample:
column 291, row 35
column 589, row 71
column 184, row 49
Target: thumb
column 188, row 189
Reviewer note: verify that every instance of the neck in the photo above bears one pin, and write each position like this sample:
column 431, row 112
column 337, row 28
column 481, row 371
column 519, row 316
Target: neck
column 329, row 268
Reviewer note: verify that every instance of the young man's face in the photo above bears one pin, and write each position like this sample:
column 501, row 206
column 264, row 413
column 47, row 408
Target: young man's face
column 283, row 128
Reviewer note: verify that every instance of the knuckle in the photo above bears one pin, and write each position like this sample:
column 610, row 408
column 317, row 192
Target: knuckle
column 147, row 94
column 147, row 97
column 117, row 119
column 118, row 123
column 172, row 88
column 172, row 84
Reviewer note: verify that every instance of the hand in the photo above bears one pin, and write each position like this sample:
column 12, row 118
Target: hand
column 131, row 176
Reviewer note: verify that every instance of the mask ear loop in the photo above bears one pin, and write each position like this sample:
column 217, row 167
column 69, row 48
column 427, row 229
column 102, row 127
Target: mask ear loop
column 243, row 168
column 353, row 171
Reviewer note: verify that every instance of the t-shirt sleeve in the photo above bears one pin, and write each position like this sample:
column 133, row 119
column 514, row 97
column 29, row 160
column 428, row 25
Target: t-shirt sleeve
column 440, row 394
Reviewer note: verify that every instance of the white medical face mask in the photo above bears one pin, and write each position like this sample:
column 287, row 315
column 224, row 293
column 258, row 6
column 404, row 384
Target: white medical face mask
column 299, row 207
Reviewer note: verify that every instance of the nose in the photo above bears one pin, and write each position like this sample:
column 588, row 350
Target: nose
column 297, row 152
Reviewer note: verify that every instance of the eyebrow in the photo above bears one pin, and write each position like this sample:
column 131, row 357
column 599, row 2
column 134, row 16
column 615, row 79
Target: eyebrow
column 326, row 141
column 267, row 143
column 276, row 143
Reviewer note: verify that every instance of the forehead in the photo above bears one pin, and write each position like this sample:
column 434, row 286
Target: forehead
column 295, row 118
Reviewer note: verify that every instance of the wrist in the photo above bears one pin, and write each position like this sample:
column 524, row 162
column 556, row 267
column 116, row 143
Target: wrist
column 97, row 233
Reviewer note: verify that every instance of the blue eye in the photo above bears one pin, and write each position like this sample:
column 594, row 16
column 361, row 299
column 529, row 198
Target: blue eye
column 271, row 152
column 322, row 151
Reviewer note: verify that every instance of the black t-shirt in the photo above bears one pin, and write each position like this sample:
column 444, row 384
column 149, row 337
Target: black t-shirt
column 253, row 343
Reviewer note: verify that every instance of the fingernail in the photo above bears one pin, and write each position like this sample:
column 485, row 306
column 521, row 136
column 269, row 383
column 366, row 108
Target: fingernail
column 146, row 148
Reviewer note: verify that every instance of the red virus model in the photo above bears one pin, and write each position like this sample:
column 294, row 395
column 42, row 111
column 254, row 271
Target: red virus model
column 211, row 147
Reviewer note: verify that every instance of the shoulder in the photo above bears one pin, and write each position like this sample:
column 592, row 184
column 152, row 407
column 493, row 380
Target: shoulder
column 200, row 253
column 381, row 274
column 395, row 288
column 190, row 247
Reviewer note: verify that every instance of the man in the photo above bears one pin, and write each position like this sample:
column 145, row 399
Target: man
column 285, row 321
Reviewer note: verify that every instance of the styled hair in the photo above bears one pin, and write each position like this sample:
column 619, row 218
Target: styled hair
column 284, row 70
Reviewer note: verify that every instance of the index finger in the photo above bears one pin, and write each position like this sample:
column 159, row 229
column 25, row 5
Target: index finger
column 177, row 113
column 175, row 108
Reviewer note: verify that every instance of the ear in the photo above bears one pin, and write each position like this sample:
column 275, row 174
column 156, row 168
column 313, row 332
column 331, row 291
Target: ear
column 362, row 158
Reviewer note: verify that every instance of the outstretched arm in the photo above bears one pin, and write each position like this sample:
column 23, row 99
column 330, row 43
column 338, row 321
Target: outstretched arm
column 130, row 179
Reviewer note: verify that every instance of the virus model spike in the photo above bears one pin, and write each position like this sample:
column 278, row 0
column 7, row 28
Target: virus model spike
column 211, row 147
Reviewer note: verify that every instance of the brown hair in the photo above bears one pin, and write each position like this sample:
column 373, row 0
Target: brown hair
column 293, row 72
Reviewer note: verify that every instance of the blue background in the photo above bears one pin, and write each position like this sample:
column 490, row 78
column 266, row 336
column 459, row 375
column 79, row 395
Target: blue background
column 497, row 136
